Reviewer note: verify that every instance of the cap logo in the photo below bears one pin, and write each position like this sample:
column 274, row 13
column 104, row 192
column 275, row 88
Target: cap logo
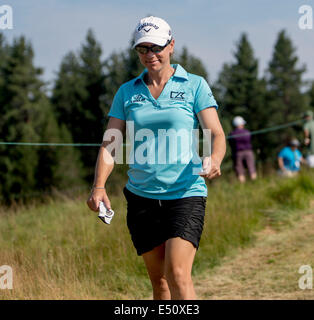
column 147, row 30
column 147, row 24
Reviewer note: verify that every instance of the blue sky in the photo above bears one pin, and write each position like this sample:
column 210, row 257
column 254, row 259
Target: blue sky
column 210, row 29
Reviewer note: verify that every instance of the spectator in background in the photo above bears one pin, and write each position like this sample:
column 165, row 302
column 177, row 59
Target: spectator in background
column 289, row 159
column 241, row 148
column 309, row 137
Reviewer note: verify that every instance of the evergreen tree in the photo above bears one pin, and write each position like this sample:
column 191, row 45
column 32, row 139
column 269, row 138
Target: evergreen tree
column 310, row 94
column 120, row 68
column 241, row 92
column 3, row 60
column 68, row 95
column 79, row 98
column 27, row 117
column 133, row 66
column 285, row 100
column 92, row 73
column 220, row 89
column 59, row 166
column 115, row 75
column 18, row 163
column 190, row 63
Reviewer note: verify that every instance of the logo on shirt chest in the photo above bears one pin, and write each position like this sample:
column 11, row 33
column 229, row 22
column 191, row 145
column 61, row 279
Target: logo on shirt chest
column 138, row 98
column 177, row 95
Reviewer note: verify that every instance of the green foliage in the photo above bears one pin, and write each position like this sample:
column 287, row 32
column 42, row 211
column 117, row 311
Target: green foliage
column 53, row 252
column 239, row 91
column 263, row 102
column 20, row 108
column 190, row 63
column 79, row 98
column 285, row 100
column 310, row 94
column 294, row 193
column 27, row 117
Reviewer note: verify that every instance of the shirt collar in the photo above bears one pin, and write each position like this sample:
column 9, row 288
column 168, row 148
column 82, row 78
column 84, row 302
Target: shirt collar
column 179, row 73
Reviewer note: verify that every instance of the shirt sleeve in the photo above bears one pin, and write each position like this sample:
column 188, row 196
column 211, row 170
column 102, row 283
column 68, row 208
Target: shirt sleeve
column 282, row 153
column 305, row 126
column 204, row 97
column 117, row 106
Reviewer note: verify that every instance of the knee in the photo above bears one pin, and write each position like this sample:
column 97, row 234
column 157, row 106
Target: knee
column 178, row 277
column 160, row 283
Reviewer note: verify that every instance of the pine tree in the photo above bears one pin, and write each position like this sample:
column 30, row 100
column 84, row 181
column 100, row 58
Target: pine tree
column 3, row 60
column 242, row 89
column 285, row 101
column 79, row 98
column 190, row 63
column 310, row 94
column 18, row 163
column 4, row 51
column 120, row 68
column 132, row 64
column 241, row 93
column 59, row 167
column 68, row 95
column 27, row 117
column 115, row 75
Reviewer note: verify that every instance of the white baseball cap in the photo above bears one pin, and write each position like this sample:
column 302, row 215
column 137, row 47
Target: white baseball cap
column 238, row 121
column 294, row 142
column 152, row 29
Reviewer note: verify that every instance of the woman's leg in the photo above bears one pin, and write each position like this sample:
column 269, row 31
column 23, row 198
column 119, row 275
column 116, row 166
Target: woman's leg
column 240, row 167
column 179, row 257
column 250, row 162
column 155, row 264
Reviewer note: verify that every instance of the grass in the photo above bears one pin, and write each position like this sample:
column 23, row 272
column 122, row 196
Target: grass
column 268, row 269
column 61, row 250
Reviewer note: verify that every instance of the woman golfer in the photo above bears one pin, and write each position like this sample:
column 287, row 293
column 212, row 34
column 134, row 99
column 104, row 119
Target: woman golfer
column 166, row 191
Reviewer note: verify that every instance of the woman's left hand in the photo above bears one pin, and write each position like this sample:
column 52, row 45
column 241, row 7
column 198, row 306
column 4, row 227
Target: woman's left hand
column 211, row 168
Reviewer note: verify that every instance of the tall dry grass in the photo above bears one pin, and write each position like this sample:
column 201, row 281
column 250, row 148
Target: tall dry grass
column 61, row 250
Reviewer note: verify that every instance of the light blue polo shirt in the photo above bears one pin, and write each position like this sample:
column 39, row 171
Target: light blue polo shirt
column 163, row 159
column 291, row 159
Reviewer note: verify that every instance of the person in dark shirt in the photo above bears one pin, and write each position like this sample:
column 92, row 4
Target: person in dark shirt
column 241, row 148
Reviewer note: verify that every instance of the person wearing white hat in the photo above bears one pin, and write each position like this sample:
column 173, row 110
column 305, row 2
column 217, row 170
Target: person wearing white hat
column 238, row 122
column 165, row 200
column 241, row 149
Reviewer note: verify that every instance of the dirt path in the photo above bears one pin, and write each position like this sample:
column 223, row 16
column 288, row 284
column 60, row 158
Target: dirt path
column 268, row 270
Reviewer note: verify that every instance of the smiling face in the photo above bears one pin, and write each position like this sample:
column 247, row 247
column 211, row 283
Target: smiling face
column 156, row 61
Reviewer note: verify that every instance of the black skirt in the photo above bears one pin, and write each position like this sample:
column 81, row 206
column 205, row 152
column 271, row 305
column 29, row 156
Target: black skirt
column 151, row 222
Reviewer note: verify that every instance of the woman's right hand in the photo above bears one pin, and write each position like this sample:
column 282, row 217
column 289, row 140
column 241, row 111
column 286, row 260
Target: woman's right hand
column 96, row 196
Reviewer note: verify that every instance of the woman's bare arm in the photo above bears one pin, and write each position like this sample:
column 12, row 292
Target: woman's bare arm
column 209, row 119
column 105, row 165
